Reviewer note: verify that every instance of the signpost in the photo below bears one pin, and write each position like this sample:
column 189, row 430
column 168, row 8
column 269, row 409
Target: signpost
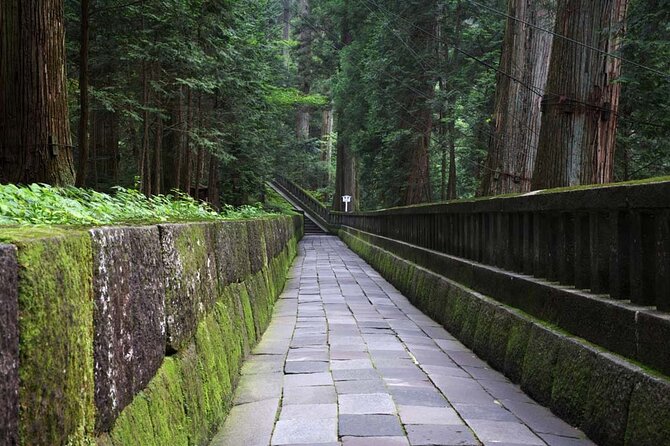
column 346, row 199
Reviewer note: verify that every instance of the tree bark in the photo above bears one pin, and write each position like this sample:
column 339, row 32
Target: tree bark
column 35, row 139
column 577, row 138
column 346, row 179
column 83, row 95
column 327, row 122
column 304, row 69
column 517, row 115
column 286, row 34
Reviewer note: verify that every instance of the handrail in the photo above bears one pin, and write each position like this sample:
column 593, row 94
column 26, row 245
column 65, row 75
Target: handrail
column 306, row 199
column 611, row 240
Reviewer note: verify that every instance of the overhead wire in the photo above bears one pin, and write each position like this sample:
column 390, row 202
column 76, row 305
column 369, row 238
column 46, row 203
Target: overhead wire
column 570, row 39
column 541, row 92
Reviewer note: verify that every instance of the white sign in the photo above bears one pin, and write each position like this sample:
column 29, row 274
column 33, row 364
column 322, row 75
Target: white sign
column 346, row 199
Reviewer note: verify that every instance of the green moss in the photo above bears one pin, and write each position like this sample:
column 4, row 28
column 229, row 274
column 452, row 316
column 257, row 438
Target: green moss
column 516, row 348
column 165, row 401
column 134, row 427
column 649, row 414
column 572, row 380
column 11, row 234
column 470, row 318
column 498, row 338
column 538, row 365
column 56, row 340
column 483, row 331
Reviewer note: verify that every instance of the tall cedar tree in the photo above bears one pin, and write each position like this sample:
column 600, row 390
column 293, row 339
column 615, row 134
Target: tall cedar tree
column 517, row 115
column 35, row 141
column 578, row 134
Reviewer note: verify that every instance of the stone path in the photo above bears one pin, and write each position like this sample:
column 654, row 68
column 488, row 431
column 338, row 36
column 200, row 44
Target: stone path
column 347, row 360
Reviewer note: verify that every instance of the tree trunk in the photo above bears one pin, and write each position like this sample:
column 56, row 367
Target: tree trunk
column 517, row 115
column 158, row 147
column 451, row 183
column 327, row 140
column 346, row 180
column 286, row 34
column 213, row 183
column 35, row 140
column 145, row 185
column 304, row 68
column 187, row 144
column 577, row 138
column 418, row 183
column 83, row 96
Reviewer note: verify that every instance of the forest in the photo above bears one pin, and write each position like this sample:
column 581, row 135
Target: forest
column 392, row 102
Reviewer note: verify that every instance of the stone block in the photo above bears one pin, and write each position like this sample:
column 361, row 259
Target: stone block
column 572, row 380
column 649, row 413
column 499, row 333
column 610, row 389
column 191, row 278
column 9, row 346
column 232, row 249
column 538, row 365
column 257, row 245
column 517, row 342
column 56, row 393
column 129, row 317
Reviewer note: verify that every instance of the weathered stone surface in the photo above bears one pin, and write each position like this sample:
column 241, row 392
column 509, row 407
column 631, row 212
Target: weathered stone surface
column 538, row 365
column 649, row 413
column 191, row 278
column 232, row 250
column 257, row 245
column 610, row 390
column 572, row 381
column 9, row 346
column 129, row 293
column 56, row 391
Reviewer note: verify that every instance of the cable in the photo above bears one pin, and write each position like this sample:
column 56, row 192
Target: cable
column 570, row 39
column 534, row 89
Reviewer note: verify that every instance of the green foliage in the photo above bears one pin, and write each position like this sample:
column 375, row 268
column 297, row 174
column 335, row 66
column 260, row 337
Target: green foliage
column 290, row 97
column 46, row 205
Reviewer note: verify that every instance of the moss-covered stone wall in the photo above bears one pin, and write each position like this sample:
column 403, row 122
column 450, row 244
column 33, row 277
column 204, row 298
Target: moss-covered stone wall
column 613, row 400
column 134, row 335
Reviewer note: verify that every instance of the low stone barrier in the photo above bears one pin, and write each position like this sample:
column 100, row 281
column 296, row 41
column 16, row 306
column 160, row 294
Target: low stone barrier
column 613, row 400
column 132, row 335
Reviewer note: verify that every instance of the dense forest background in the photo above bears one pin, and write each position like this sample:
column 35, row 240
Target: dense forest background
column 393, row 102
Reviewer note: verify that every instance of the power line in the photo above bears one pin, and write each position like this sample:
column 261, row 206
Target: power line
column 570, row 39
column 541, row 92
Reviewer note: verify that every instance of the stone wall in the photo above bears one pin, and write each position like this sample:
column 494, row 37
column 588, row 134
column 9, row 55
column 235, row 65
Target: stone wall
column 613, row 400
column 132, row 335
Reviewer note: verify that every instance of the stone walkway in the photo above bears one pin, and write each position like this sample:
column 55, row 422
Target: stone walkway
column 347, row 360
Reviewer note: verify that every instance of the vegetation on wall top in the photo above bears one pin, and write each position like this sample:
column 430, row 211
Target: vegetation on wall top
column 40, row 204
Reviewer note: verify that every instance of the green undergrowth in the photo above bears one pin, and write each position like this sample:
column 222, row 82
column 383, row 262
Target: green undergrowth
column 39, row 204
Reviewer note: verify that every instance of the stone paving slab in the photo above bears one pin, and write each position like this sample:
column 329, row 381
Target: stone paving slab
column 348, row 361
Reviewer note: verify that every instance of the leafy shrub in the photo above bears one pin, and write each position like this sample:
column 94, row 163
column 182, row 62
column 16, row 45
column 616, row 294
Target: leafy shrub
column 40, row 204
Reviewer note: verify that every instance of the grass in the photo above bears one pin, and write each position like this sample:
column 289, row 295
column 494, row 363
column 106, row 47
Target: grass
column 39, row 204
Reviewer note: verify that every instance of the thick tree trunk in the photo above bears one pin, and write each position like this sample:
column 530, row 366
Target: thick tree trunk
column 577, row 138
column 187, row 145
column 83, row 96
column 517, row 115
column 35, row 140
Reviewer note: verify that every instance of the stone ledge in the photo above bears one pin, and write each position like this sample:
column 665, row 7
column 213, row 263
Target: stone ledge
column 635, row 332
column 614, row 401
column 9, row 346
